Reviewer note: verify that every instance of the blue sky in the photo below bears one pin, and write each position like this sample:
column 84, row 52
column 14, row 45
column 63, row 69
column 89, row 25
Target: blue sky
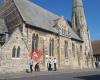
column 64, row 8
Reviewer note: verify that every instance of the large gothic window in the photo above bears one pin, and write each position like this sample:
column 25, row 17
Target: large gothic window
column 66, row 48
column 80, row 48
column 73, row 49
column 18, row 51
column 14, row 52
column 51, row 47
column 35, row 40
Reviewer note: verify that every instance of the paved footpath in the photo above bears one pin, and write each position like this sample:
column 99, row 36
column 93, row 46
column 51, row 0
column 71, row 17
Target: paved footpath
column 73, row 74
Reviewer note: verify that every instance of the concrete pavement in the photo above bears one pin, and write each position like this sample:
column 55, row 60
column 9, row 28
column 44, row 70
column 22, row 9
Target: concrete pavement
column 60, row 74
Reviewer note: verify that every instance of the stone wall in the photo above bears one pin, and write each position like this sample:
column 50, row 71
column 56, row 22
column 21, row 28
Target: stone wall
column 76, row 59
column 59, row 51
column 8, row 63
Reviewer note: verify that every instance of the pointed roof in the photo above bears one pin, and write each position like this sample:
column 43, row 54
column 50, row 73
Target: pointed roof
column 35, row 15
column 39, row 17
column 74, row 35
column 3, row 27
column 77, row 3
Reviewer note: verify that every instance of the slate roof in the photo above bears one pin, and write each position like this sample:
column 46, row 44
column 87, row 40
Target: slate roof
column 74, row 35
column 96, row 47
column 3, row 27
column 39, row 17
column 35, row 15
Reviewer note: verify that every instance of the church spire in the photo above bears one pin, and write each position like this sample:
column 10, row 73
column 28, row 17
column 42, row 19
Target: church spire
column 78, row 16
column 77, row 3
column 79, row 25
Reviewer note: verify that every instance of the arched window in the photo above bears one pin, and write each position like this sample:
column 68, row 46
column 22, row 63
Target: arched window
column 18, row 51
column 37, row 39
column 14, row 52
column 66, row 48
column 51, row 47
column 33, row 41
column 73, row 49
column 80, row 48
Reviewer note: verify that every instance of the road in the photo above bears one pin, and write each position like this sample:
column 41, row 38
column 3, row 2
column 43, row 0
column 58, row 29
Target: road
column 75, row 75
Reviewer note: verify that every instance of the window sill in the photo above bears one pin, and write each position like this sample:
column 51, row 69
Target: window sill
column 16, row 58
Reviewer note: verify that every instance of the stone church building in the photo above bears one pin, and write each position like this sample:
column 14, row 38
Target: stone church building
column 25, row 26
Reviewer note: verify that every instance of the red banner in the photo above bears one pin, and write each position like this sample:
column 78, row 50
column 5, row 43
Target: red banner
column 35, row 54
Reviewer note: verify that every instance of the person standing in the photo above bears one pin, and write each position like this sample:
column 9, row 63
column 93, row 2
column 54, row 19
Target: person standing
column 49, row 65
column 31, row 65
column 55, row 64
column 37, row 68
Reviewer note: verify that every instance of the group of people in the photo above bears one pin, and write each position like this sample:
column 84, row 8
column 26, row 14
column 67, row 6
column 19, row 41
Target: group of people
column 97, row 64
column 30, row 64
column 51, row 65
